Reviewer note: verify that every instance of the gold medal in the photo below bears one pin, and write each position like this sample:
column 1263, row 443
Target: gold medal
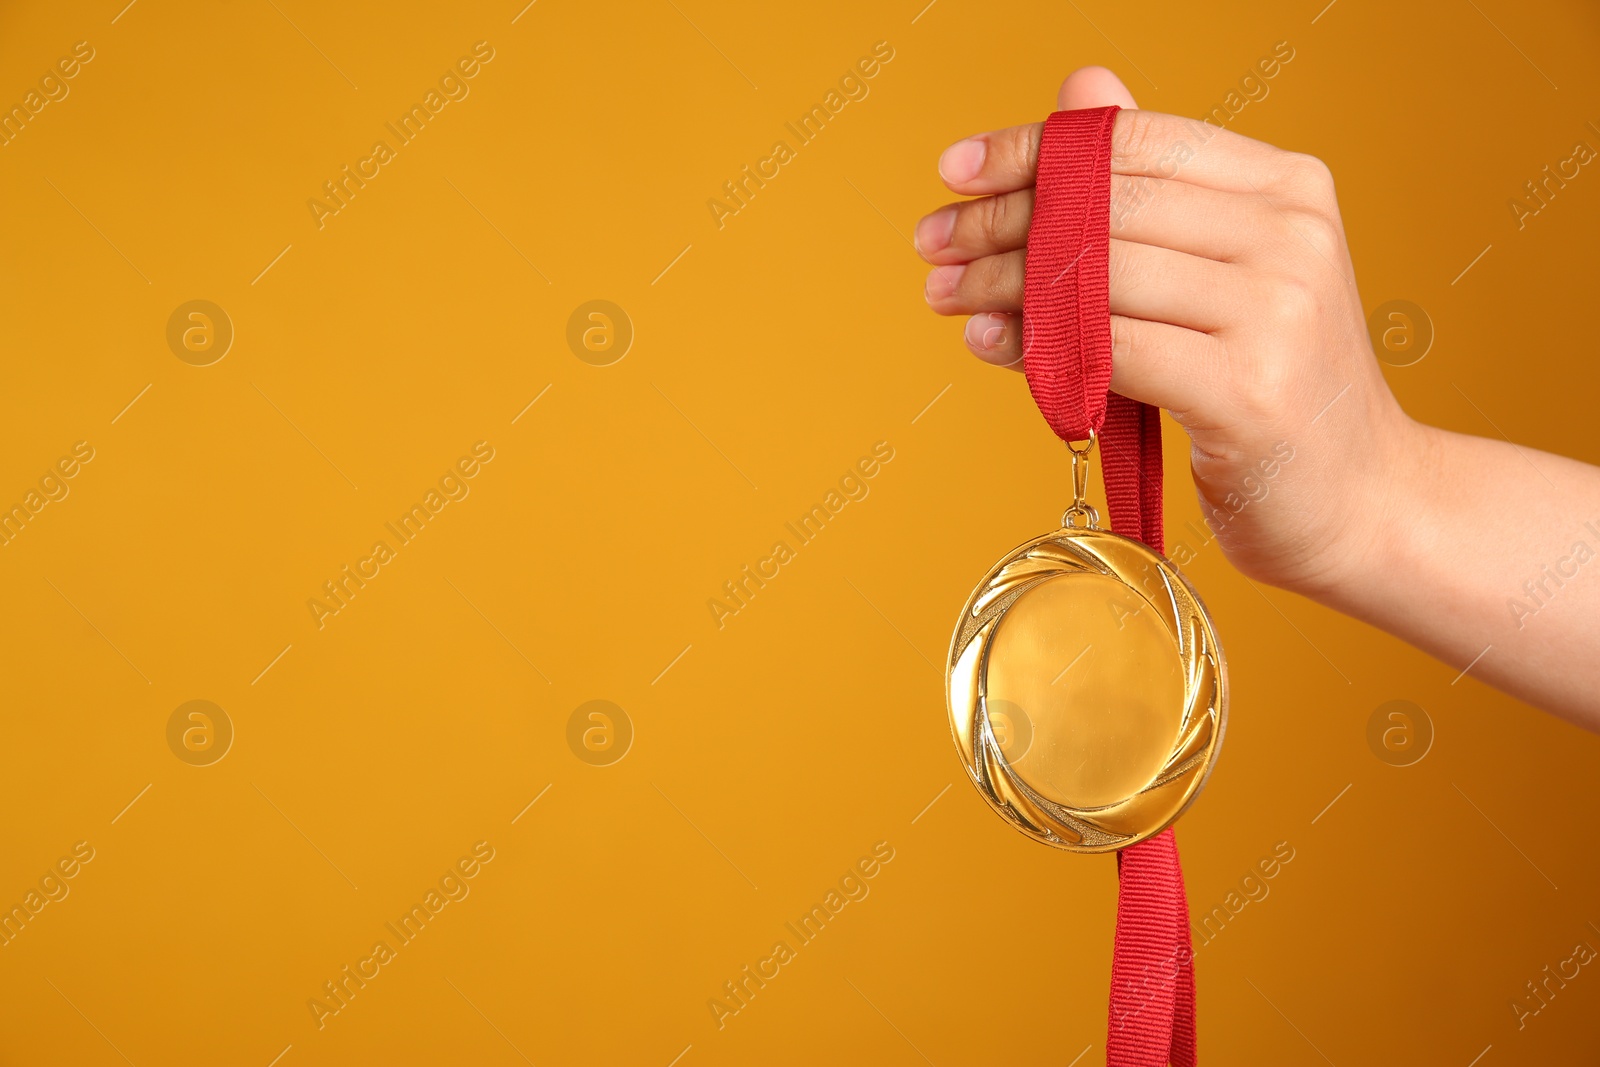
column 1087, row 691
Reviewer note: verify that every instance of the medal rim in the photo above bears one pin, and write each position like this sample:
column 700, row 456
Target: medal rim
column 1210, row 755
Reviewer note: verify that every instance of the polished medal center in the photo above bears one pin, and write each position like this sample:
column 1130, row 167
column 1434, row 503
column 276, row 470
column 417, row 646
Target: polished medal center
column 1086, row 661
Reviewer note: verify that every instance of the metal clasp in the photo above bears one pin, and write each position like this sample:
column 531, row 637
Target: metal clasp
column 1081, row 509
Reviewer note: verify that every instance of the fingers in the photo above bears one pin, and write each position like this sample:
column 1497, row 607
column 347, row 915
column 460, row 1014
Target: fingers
column 1175, row 215
column 998, row 162
column 1164, row 365
column 960, row 233
column 1196, row 152
column 1154, row 362
column 1143, row 143
column 1146, row 282
column 993, row 283
column 1149, row 282
column 1187, row 218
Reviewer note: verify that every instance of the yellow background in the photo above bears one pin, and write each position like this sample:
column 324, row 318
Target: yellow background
column 777, row 750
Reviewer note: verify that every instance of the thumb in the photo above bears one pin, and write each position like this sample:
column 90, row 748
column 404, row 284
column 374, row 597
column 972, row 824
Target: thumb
column 1093, row 87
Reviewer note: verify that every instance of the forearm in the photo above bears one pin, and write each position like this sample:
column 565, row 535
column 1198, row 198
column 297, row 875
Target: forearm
column 1489, row 556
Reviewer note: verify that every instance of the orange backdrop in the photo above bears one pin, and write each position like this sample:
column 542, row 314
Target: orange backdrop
column 399, row 500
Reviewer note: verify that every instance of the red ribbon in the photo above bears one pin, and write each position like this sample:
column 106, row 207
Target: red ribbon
column 1066, row 332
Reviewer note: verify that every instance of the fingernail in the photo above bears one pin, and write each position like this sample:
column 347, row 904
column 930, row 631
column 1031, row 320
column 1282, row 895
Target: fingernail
column 963, row 160
column 933, row 232
column 942, row 281
column 985, row 332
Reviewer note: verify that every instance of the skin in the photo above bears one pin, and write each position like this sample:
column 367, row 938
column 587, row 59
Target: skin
column 1234, row 306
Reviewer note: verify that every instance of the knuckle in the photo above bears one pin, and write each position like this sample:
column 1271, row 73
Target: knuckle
column 979, row 287
column 996, row 218
column 1308, row 178
column 1292, row 305
column 1022, row 149
column 1323, row 234
column 1121, row 340
column 1306, row 234
column 1298, row 298
column 1131, row 139
column 1001, row 280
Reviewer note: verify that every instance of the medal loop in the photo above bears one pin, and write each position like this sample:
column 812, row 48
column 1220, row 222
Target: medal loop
column 1081, row 508
column 1087, row 513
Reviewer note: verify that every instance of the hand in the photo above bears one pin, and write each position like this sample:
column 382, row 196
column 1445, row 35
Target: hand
column 1233, row 306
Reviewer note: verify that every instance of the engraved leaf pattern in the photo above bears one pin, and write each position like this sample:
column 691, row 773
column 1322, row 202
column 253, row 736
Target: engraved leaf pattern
column 1041, row 562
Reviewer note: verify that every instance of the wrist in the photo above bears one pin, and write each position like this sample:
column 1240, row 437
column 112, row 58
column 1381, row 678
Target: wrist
column 1387, row 518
